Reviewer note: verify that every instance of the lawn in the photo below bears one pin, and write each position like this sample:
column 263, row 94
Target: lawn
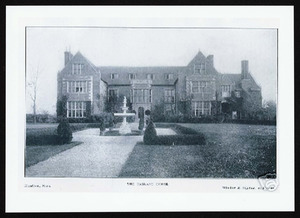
column 36, row 154
column 231, row 151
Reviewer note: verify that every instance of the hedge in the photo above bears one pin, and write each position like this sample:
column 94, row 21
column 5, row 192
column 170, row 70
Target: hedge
column 209, row 119
column 186, row 136
column 43, row 139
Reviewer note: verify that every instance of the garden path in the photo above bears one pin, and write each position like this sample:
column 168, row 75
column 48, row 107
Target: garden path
column 97, row 156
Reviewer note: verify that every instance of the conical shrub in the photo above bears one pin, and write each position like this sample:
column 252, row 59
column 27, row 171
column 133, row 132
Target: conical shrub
column 64, row 131
column 150, row 134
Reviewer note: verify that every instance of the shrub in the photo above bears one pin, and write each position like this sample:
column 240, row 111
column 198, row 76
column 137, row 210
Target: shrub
column 78, row 120
column 150, row 134
column 64, row 132
column 141, row 124
column 186, row 136
column 93, row 125
column 184, row 130
column 148, row 112
column 49, row 138
column 78, row 126
column 102, row 125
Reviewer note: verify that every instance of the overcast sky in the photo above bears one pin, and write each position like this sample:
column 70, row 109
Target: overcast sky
column 149, row 47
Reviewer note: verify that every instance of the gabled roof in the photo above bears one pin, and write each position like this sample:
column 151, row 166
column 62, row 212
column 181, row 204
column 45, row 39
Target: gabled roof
column 250, row 84
column 199, row 58
column 78, row 57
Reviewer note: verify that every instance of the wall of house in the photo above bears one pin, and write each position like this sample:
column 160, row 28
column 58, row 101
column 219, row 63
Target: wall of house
column 122, row 90
column 183, row 76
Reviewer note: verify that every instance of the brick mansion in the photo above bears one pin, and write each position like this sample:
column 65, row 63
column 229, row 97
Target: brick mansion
column 196, row 89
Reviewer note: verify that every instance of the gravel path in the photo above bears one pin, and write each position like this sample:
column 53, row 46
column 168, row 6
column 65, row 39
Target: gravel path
column 98, row 156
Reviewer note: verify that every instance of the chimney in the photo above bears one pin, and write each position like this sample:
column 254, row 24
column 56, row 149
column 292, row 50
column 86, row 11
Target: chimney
column 68, row 57
column 245, row 69
column 210, row 60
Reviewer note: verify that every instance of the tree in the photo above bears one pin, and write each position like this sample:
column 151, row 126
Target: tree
column 157, row 112
column 61, row 107
column 270, row 109
column 32, row 87
column 185, row 106
column 44, row 116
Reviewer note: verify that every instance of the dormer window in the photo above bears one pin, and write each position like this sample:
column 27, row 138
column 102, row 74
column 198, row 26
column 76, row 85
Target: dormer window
column 199, row 68
column 114, row 76
column 150, row 76
column 77, row 68
column 169, row 76
column 131, row 76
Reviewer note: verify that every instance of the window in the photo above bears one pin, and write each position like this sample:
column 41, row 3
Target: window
column 199, row 86
column 199, row 68
column 77, row 86
column 201, row 108
column 169, row 108
column 237, row 94
column 169, row 96
column 112, row 93
column 169, row 76
column 77, row 68
column 225, row 90
column 169, row 100
column 234, row 115
column 114, row 76
column 141, row 95
column 150, row 76
column 131, row 76
column 76, row 109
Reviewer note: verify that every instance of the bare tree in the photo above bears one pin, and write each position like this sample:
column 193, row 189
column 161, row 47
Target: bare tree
column 32, row 87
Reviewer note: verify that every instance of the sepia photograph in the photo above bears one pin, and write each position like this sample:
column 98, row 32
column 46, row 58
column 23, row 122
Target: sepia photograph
column 150, row 102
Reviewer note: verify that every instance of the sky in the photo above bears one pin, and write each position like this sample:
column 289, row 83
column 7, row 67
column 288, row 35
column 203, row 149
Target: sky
column 147, row 47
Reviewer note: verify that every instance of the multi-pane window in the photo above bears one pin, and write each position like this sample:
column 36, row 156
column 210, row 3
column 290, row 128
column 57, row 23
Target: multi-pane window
column 169, row 96
column 77, row 86
column 77, row 68
column 200, row 68
column 225, row 90
column 114, row 76
column 150, row 76
column 76, row 109
column 112, row 92
column 131, row 76
column 141, row 95
column 201, row 108
column 169, row 76
column 170, row 108
column 237, row 94
column 199, row 86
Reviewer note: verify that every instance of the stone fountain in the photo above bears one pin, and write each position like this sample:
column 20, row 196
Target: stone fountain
column 125, row 127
